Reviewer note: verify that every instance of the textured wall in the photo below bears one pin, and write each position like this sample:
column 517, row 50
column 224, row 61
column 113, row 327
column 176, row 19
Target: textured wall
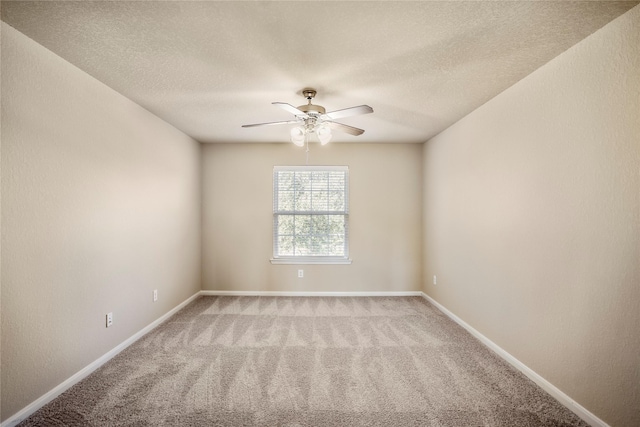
column 531, row 221
column 385, row 218
column 100, row 205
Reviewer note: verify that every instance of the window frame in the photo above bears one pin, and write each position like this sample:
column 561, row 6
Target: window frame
column 309, row 259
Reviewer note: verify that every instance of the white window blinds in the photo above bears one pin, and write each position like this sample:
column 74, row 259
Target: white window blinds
column 310, row 213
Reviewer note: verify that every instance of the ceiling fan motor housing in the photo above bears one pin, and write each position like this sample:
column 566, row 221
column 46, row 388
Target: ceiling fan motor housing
column 313, row 109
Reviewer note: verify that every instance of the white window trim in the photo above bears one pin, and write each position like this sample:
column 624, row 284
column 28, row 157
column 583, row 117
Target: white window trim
column 310, row 260
column 315, row 259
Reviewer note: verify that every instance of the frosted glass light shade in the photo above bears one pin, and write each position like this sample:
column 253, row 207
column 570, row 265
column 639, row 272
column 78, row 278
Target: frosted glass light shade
column 297, row 136
column 324, row 134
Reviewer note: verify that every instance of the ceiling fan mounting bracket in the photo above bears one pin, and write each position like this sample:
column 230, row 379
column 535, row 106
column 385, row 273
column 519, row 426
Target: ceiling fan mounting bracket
column 309, row 93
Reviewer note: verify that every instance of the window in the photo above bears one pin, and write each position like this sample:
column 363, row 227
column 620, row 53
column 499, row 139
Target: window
column 310, row 215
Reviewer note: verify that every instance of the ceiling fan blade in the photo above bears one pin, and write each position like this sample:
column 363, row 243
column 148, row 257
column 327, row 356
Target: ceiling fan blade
column 344, row 128
column 352, row 111
column 286, row 122
column 290, row 108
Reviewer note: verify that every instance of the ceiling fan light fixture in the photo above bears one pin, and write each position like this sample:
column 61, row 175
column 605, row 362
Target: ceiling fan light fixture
column 314, row 118
column 297, row 136
column 324, row 134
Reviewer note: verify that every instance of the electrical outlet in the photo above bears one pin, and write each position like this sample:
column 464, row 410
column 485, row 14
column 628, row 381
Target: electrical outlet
column 109, row 319
column 435, row 280
column 155, row 295
column 300, row 273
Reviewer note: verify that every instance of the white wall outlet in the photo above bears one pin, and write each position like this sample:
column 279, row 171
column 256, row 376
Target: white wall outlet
column 435, row 280
column 109, row 319
column 300, row 273
column 155, row 295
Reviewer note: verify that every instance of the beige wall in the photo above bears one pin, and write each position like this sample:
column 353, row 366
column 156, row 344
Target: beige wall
column 385, row 218
column 100, row 205
column 531, row 221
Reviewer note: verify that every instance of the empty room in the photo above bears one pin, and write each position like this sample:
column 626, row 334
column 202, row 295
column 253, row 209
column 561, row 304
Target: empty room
column 320, row 213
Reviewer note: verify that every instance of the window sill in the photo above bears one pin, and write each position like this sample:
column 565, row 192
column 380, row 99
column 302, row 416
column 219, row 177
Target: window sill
column 317, row 260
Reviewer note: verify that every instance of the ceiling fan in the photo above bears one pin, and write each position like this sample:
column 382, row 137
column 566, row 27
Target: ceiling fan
column 313, row 118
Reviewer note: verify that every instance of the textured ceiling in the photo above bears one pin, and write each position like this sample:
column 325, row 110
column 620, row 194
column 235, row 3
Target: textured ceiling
column 209, row 67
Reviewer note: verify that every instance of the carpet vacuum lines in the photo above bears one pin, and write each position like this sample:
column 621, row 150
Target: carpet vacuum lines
column 306, row 361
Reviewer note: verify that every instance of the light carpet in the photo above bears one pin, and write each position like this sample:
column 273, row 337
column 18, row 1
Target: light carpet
column 306, row 361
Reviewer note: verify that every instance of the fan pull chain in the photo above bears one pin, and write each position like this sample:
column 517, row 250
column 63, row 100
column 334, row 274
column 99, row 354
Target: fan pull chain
column 306, row 138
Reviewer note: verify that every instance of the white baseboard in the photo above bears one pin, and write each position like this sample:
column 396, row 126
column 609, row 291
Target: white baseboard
column 310, row 294
column 79, row 376
column 561, row 397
